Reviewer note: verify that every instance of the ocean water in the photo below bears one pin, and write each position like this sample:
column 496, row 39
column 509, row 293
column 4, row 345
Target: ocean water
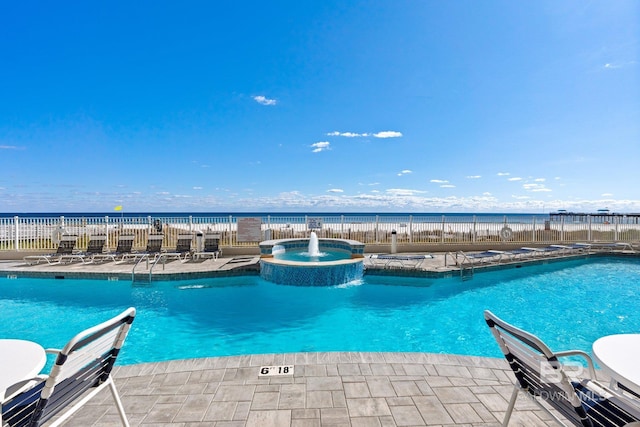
column 568, row 304
column 383, row 217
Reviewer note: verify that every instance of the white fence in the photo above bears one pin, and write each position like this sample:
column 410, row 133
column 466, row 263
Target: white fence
column 32, row 233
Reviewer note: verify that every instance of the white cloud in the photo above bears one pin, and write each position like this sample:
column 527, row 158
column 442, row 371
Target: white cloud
column 606, row 195
column 321, row 146
column 388, row 134
column 535, row 187
column 474, row 176
column 403, row 192
column 521, row 197
column 335, row 190
column 197, row 188
column 617, row 65
column 348, row 134
column 539, row 180
column 439, row 181
column 405, row 172
column 503, row 174
column 447, row 186
column 486, row 193
column 8, row 147
column 515, row 178
column 264, row 100
column 383, row 134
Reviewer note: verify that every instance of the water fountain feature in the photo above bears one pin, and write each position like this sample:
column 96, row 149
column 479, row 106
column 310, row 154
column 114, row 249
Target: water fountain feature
column 312, row 261
column 314, row 248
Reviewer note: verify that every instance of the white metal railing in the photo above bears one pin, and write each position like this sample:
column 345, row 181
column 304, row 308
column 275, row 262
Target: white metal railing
column 38, row 233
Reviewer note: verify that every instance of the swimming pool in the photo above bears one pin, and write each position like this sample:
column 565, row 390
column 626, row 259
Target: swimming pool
column 567, row 304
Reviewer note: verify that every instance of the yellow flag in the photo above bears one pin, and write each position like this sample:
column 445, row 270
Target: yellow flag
column 118, row 208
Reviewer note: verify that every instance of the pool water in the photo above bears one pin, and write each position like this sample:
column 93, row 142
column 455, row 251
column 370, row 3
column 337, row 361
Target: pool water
column 303, row 256
column 569, row 305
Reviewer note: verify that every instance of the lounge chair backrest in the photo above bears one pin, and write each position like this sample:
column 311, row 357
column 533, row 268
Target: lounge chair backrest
column 184, row 243
column 125, row 243
column 154, row 243
column 96, row 244
column 541, row 375
column 211, row 242
column 67, row 244
column 528, row 356
column 84, row 363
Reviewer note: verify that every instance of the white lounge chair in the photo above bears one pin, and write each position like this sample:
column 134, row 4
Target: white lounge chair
column 211, row 247
column 82, row 369
column 65, row 248
column 123, row 248
column 183, row 249
column 542, row 377
column 151, row 253
column 474, row 258
column 397, row 260
column 94, row 247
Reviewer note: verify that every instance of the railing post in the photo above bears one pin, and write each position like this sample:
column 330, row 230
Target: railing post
column 442, row 231
column 271, row 233
column 231, row 222
column 588, row 228
column 376, row 236
column 533, row 232
column 410, row 228
column 615, row 233
column 473, row 236
column 106, row 231
column 562, row 229
column 342, row 226
column 190, row 224
column 16, row 221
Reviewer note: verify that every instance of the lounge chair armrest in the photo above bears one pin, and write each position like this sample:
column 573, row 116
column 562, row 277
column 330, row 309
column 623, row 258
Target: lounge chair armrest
column 22, row 386
column 584, row 355
column 52, row 350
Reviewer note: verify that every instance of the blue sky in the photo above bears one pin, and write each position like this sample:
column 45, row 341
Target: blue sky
column 321, row 106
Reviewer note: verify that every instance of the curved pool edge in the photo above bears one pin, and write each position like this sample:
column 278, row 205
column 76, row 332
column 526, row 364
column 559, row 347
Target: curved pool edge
column 304, row 359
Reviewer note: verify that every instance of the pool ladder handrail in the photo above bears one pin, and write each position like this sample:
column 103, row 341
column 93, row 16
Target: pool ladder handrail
column 158, row 257
column 466, row 270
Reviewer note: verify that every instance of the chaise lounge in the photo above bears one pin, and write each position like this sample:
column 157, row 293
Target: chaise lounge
column 65, row 248
column 211, row 247
column 183, row 249
column 123, row 248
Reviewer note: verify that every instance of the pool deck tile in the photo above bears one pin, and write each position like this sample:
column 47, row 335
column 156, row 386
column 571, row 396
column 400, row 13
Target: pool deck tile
column 326, row 389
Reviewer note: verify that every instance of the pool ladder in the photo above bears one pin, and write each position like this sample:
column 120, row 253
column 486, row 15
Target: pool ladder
column 147, row 278
column 466, row 272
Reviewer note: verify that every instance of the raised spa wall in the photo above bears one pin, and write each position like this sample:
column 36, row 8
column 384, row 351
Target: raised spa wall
column 355, row 248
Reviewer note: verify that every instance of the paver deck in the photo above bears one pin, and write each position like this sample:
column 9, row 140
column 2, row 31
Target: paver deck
column 325, row 389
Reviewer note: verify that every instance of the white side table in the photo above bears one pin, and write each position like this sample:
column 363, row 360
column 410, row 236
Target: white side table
column 19, row 360
column 619, row 356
